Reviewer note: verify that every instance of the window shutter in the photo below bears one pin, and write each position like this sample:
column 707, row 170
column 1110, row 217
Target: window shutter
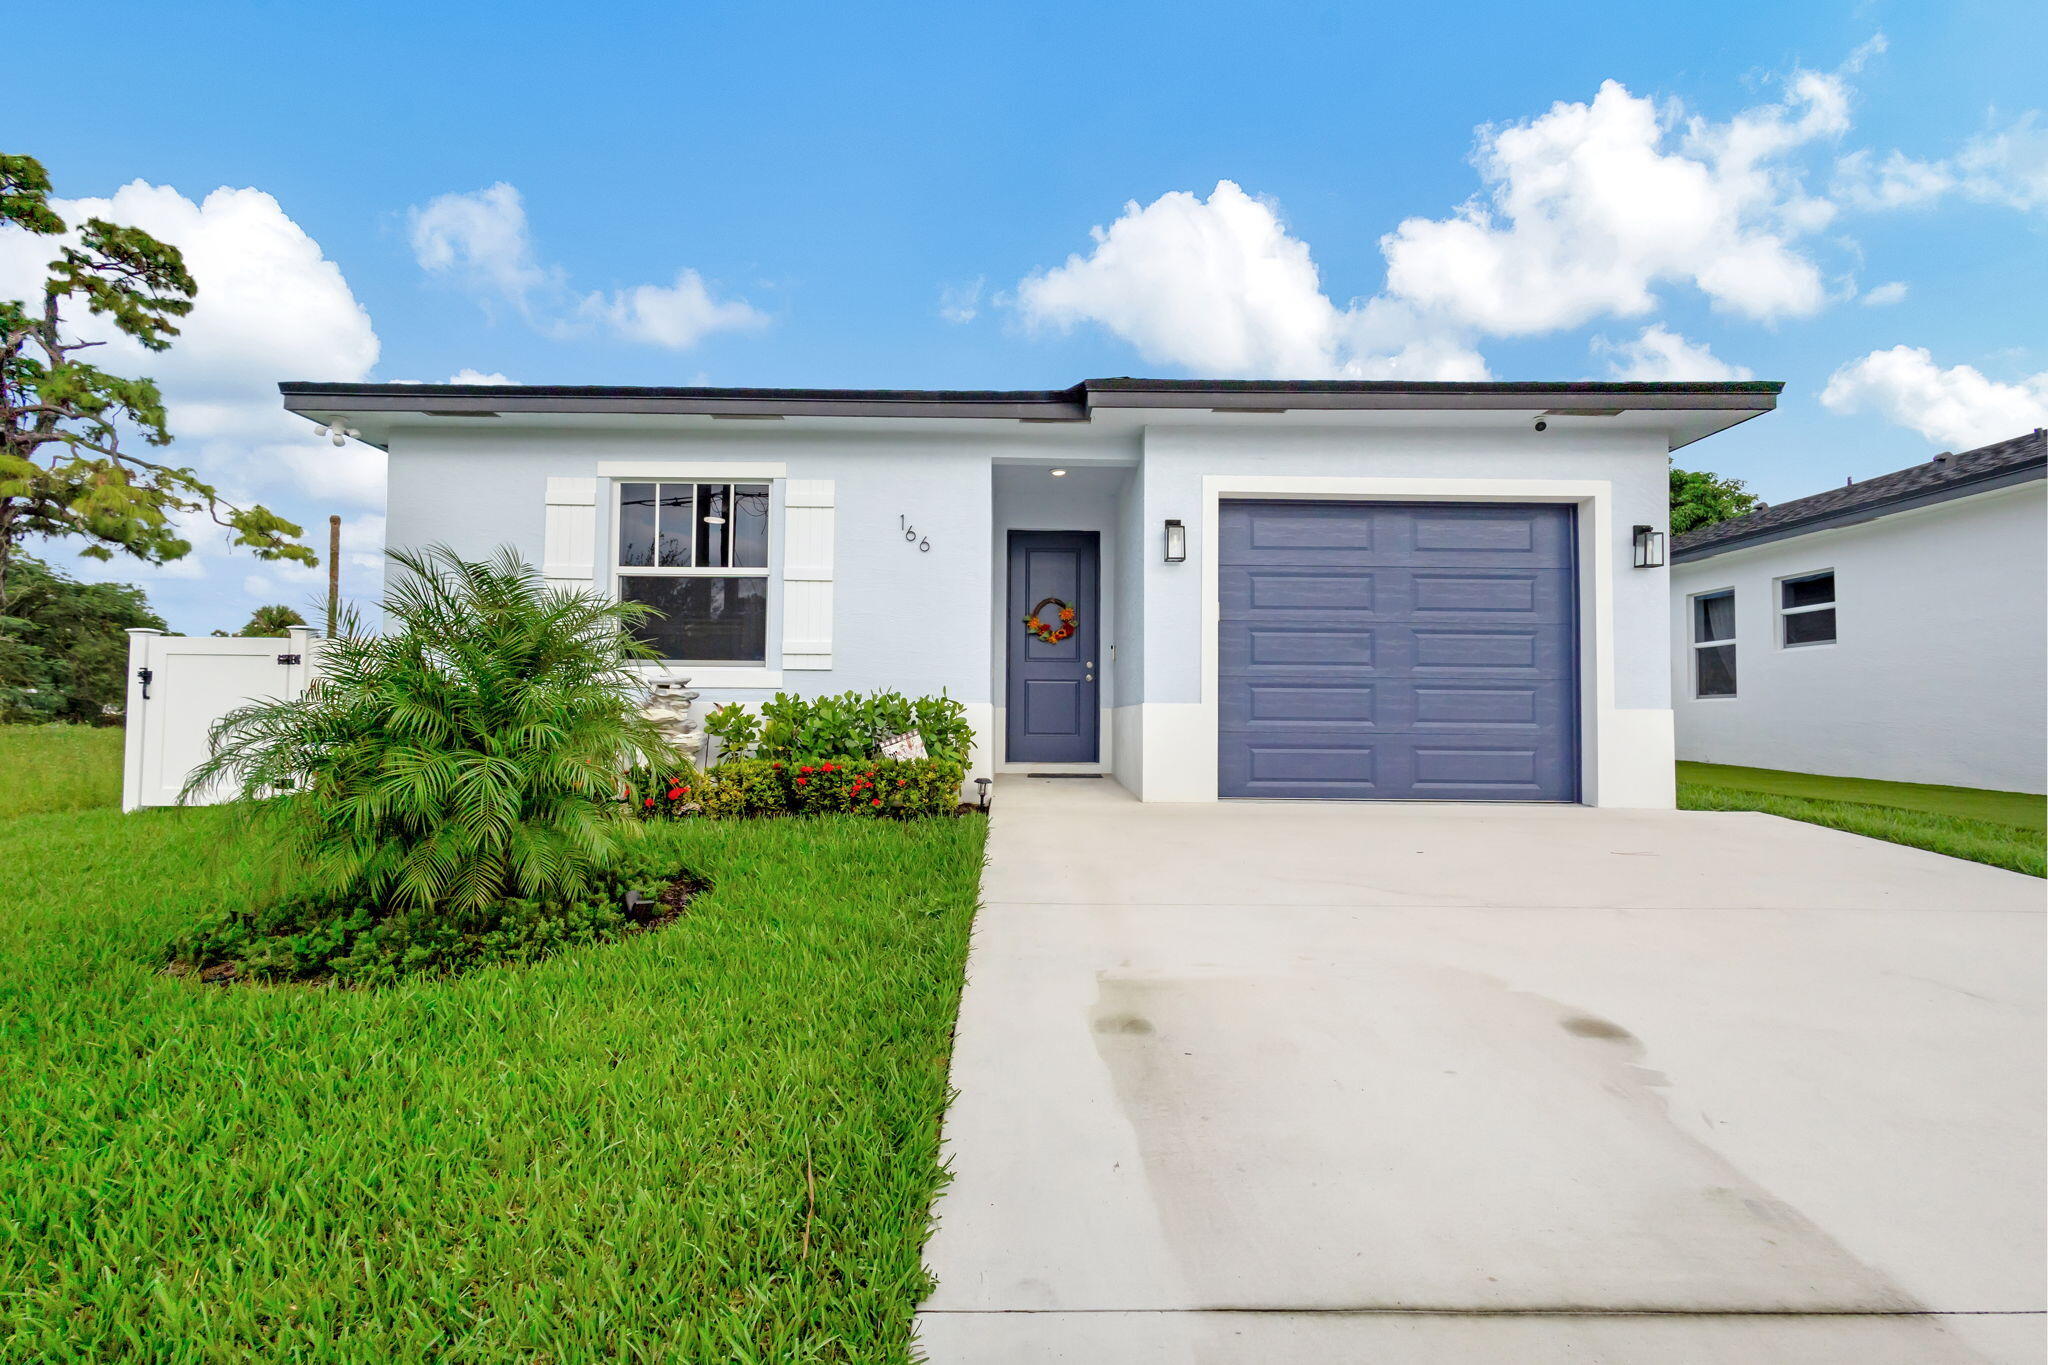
column 569, row 550
column 807, row 574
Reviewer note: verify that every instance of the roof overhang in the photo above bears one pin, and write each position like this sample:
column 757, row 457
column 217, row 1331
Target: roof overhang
column 1685, row 412
column 1909, row 501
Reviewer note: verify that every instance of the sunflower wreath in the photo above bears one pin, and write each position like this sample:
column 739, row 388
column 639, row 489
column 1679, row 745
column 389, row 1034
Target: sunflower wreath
column 1051, row 634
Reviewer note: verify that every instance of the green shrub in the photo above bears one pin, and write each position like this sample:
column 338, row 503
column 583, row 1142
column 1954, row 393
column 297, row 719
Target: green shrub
column 468, row 755
column 735, row 728
column 847, row 728
column 450, row 785
column 360, row 944
column 753, row 787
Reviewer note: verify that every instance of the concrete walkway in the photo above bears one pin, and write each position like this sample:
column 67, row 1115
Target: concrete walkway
column 1330, row 1083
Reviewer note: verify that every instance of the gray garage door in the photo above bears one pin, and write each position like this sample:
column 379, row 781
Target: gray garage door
column 1397, row 651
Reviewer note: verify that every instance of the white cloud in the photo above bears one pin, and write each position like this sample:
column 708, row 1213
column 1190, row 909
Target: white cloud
column 1660, row 354
column 961, row 302
column 481, row 241
column 2005, row 166
column 1220, row 286
column 676, row 316
column 1959, row 406
column 1589, row 207
column 270, row 306
column 477, row 377
column 2008, row 166
column 1898, row 181
column 1586, row 211
column 1885, row 295
column 1216, row 285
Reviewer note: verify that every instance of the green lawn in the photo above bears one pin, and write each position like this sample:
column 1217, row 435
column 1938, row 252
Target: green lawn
column 714, row 1142
column 59, row 767
column 2004, row 829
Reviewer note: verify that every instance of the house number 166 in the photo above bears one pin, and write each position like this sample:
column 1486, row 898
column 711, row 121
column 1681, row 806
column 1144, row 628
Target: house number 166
column 910, row 534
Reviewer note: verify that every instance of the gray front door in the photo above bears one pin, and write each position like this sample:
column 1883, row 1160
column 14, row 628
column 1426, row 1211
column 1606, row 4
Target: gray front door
column 1397, row 651
column 1053, row 696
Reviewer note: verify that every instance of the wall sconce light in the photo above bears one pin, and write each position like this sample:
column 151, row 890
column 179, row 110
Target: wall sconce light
column 1649, row 548
column 1176, row 542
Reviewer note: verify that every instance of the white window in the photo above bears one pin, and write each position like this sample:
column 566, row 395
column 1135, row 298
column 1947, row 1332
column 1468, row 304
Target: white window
column 1713, row 644
column 698, row 554
column 1806, row 610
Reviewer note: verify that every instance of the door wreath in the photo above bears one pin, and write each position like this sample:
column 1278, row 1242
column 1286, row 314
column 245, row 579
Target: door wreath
column 1051, row 634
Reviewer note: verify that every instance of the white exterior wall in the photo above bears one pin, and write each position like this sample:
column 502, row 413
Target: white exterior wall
column 902, row 619
column 929, row 622
column 1939, row 672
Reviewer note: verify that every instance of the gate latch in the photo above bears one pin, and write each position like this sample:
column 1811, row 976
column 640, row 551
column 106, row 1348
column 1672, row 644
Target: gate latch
column 288, row 658
column 145, row 677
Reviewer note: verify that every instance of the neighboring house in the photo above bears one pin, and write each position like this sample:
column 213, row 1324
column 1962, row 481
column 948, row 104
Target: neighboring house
column 1312, row 590
column 1895, row 628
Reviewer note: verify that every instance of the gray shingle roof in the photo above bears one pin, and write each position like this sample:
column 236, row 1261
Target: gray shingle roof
column 1939, row 479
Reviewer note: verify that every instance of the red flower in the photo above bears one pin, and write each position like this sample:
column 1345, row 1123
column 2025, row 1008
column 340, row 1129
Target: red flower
column 675, row 793
column 776, row 766
column 830, row 768
column 648, row 802
column 801, row 780
column 902, row 781
column 876, row 802
column 803, row 770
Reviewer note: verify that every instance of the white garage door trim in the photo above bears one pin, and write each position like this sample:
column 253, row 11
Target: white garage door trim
column 1595, row 501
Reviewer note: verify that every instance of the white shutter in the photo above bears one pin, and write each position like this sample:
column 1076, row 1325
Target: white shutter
column 807, row 574
column 569, row 550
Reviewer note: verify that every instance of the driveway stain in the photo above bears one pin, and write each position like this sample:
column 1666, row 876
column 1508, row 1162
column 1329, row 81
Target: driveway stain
column 1300, row 1135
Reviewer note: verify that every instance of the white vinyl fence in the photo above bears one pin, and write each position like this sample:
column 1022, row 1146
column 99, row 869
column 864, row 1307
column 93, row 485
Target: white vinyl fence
column 179, row 685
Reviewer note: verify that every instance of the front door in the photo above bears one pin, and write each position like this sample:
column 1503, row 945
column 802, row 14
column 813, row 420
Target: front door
column 1054, row 714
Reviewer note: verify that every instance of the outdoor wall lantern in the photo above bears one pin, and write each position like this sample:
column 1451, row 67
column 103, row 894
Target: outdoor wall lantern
column 1176, row 542
column 1649, row 548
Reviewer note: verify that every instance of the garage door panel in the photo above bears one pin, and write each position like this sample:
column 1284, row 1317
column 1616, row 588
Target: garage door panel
column 1291, row 705
column 1283, row 646
column 1443, row 706
column 1539, row 651
column 1308, row 590
column 1428, row 652
column 1283, row 768
column 1297, row 527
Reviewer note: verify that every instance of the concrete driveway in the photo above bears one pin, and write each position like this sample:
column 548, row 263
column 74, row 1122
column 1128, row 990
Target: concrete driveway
column 1261, row 1083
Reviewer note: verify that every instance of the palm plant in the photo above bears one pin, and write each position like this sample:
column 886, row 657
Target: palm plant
column 469, row 754
column 274, row 619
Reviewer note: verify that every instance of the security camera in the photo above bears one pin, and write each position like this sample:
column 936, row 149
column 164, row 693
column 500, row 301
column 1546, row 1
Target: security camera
column 1542, row 425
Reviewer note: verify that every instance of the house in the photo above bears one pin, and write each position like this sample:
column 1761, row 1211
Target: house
column 1894, row 628
column 1414, row 591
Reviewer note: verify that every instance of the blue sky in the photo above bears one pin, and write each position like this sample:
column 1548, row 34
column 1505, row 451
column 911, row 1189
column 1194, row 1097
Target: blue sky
column 904, row 196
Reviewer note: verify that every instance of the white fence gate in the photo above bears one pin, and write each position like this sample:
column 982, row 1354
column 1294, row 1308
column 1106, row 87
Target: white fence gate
column 179, row 685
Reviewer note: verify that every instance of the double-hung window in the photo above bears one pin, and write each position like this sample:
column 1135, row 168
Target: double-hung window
column 1806, row 609
column 1713, row 644
column 698, row 554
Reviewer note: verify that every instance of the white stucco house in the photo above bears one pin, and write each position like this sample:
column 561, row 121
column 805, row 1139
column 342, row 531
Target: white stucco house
column 1895, row 628
column 1305, row 590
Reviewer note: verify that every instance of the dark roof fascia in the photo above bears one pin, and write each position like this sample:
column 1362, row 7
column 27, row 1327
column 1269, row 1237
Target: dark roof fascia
column 1341, row 394
column 1868, row 511
column 1044, row 405
column 1070, row 405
